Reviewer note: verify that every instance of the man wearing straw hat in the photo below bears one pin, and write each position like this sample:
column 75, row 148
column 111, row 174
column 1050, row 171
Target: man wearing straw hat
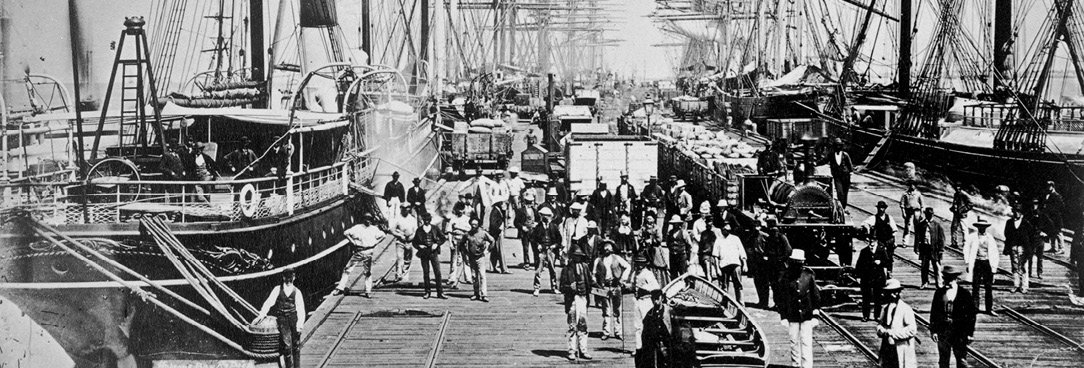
column 644, row 284
column 981, row 256
column 952, row 319
column 525, row 220
column 611, row 273
column 702, row 236
column 677, row 240
column 798, row 302
column 897, row 329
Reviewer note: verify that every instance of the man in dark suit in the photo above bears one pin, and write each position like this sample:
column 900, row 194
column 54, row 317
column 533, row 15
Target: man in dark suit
column 416, row 197
column 1020, row 237
column 929, row 245
column 871, row 268
column 840, row 163
column 952, row 319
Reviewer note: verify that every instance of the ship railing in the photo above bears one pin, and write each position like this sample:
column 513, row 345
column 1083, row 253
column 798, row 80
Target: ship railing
column 118, row 201
column 1066, row 119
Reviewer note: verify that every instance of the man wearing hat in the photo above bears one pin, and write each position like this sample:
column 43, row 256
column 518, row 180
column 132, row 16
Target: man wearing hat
column 644, row 284
column 961, row 207
column 281, row 155
column 840, row 164
column 798, row 302
column 732, row 260
column 553, row 204
column 496, row 230
column 624, row 237
column 681, row 203
column 525, row 220
column 427, row 242
column 394, row 193
column 475, row 245
column 929, row 245
column 1053, row 207
column 241, row 157
column 1019, row 236
column 402, row 228
column 981, row 256
column 654, row 248
column 768, row 259
column 696, row 237
column 611, row 273
column 547, row 237
column 897, row 329
column 952, row 319
column 602, row 206
column 415, row 196
column 881, row 228
column 677, row 240
column 515, row 189
column 172, row 168
column 575, row 227
column 458, row 226
column 576, row 282
column 625, row 194
column 872, row 268
column 202, row 168
column 725, row 215
column 498, row 190
column 652, row 197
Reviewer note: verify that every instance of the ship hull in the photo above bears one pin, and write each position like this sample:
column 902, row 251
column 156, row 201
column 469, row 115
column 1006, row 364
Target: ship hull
column 95, row 320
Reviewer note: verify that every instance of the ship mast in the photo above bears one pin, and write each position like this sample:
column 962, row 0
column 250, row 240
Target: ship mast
column 904, row 60
column 256, row 51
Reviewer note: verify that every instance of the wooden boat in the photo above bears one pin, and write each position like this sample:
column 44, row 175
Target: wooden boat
column 713, row 326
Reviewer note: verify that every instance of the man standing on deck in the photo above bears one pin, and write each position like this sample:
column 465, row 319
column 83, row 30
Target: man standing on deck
column 872, row 269
column 363, row 239
column 910, row 205
column 475, row 243
column 403, row 227
column 611, row 274
column 841, row 166
column 961, row 207
column 547, row 237
column 798, row 301
column 881, row 228
column 981, row 256
column 416, row 197
column 930, row 246
column 394, row 193
column 427, row 241
column 952, row 319
column 576, row 282
column 525, row 221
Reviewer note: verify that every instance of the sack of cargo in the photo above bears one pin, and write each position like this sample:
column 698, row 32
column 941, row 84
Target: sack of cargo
column 479, row 129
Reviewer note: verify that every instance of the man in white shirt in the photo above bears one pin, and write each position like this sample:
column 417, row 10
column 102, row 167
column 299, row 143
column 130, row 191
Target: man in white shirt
column 498, row 190
column 575, row 227
column 403, row 227
column 363, row 239
column 981, row 256
column 644, row 284
column 732, row 260
column 458, row 226
column 515, row 191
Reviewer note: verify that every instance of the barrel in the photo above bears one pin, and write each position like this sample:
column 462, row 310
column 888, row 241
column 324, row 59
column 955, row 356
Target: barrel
column 264, row 336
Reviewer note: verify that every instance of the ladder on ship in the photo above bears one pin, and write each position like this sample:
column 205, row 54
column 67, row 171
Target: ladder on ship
column 876, row 150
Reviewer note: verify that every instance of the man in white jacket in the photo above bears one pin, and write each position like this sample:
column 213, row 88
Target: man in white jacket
column 981, row 256
column 897, row 330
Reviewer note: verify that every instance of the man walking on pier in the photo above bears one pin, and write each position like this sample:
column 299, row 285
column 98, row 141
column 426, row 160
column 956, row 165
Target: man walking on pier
column 871, row 268
column 961, row 206
column 475, row 243
column 798, row 300
column 525, row 221
column 910, row 205
column 841, row 167
column 547, row 237
column 881, row 228
column 576, row 282
column 1020, row 235
column 611, row 273
column 897, row 329
column 416, row 197
column 732, row 260
column 363, row 239
column 1053, row 205
column 930, row 246
column 394, row 194
column 952, row 319
column 981, row 256
column 496, row 230
column 458, row 226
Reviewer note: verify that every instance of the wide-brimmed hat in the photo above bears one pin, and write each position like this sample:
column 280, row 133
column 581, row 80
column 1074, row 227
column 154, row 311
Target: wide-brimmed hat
column 981, row 223
column 797, row 255
column 893, row 285
column 676, row 219
column 680, row 184
column 529, row 196
column 417, row 180
column 513, row 170
column 837, row 142
column 577, row 206
column 592, row 225
column 705, row 208
column 639, row 258
column 546, row 211
column 953, row 270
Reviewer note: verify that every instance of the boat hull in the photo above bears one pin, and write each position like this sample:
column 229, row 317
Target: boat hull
column 711, row 327
column 95, row 320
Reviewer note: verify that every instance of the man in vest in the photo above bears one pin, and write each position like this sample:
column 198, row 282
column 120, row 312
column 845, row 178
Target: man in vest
column 415, row 196
column 625, row 193
column 611, row 273
column 871, row 268
column 576, row 282
column 882, row 229
column 652, row 198
column 952, row 319
column 547, row 236
column 930, row 246
column 841, row 167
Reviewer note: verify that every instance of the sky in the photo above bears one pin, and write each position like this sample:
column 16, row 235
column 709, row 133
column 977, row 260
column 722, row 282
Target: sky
column 636, row 55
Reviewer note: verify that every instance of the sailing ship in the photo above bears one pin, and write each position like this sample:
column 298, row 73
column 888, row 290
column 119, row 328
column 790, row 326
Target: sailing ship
column 998, row 121
column 120, row 261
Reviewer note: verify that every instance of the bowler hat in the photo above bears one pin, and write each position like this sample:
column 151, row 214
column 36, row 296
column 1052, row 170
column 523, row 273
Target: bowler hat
column 952, row 270
column 882, row 204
